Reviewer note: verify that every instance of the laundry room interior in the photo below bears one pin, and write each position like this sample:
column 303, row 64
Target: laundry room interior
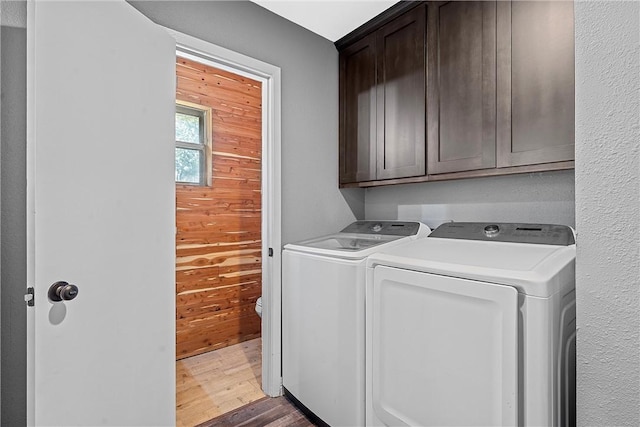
column 423, row 216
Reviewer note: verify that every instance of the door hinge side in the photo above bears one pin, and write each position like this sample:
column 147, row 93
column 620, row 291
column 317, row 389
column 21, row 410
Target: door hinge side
column 29, row 297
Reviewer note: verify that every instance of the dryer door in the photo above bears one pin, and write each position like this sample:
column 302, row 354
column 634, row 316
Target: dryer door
column 443, row 350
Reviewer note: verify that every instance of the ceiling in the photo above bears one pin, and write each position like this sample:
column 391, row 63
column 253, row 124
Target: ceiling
column 330, row 19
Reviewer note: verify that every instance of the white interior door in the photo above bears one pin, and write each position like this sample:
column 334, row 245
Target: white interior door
column 101, row 212
column 444, row 351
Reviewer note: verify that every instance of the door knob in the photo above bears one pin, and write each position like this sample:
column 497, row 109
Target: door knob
column 62, row 291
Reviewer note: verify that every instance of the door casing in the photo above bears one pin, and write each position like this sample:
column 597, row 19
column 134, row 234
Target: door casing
column 269, row 75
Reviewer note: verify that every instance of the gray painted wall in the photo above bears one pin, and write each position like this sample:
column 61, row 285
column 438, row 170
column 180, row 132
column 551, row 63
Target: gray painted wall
column 0, row 224
column 607, row 212
column 541, row 197
column 311, row 202
column 13, row 226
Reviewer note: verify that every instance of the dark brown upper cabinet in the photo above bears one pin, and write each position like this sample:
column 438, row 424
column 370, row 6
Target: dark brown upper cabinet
column 358, row 111
column 535, row 82
column 382, row 101
column 494, row 94
column 461, row 92
column 401, row 93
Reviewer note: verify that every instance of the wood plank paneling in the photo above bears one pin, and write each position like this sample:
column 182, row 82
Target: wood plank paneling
column 218, row 239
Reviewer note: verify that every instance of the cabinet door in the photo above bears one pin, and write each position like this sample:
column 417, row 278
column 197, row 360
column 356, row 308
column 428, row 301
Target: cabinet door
column 358, row 112
column 535, row 87
column 401, row 96
column 461, row 88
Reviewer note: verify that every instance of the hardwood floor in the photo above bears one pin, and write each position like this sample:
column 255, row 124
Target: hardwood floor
column 214, row 383
column 266, row 412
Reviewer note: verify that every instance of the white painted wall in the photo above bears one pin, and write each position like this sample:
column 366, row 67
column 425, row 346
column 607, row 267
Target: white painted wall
column 607, row 212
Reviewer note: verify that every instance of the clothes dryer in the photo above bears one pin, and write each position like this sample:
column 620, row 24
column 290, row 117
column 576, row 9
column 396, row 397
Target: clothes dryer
column 474, row 325
column 323, row 313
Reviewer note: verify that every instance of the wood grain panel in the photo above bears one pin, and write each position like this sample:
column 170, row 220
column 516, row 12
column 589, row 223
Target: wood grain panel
column 357, row 159
column 535, row 82
column 401, row 94
column 201, row 279
column 461, row 86
column 226, row 333
column 210, row 301
column 218, row 228
column 545, row 167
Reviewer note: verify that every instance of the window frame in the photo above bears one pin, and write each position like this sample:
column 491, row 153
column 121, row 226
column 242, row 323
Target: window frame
column 204, row 115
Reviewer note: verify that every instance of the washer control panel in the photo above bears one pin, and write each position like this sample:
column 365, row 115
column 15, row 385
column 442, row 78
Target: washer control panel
column 491, row 230
column 542, row 234
column 391, row 228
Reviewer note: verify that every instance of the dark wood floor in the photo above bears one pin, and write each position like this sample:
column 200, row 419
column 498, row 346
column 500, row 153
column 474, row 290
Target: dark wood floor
column 266, row 412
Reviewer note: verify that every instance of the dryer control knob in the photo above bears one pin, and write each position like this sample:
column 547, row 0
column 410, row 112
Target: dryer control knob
column 491, row 230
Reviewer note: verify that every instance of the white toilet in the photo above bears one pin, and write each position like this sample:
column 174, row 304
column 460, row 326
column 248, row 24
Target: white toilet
column 259, row 306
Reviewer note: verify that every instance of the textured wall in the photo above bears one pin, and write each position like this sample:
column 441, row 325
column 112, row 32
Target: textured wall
column 13, row 13
column 607, row 205
column 311, row 202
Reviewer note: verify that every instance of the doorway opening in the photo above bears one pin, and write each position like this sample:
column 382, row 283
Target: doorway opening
column 218, row 240
column 269, row 76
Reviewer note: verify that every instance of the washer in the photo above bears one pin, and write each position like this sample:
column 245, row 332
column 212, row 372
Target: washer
column 474, row 325
column 323, row 313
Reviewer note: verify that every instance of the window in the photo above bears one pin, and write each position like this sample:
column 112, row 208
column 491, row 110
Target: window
column 192, row 144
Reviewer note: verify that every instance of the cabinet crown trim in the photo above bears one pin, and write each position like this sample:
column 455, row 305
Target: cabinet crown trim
column 376, row 22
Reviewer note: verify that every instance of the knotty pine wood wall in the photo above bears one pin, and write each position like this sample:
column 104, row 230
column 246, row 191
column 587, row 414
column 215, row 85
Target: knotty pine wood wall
column 218, row 241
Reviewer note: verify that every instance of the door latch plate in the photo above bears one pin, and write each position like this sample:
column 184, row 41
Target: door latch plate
column 29, row 297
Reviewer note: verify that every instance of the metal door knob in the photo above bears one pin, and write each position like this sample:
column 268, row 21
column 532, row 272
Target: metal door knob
column 62, row 291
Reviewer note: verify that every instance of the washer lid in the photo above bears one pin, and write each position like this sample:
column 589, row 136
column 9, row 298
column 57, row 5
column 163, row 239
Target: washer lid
column 343, row 245
column 534, row 269
column 361, row 238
